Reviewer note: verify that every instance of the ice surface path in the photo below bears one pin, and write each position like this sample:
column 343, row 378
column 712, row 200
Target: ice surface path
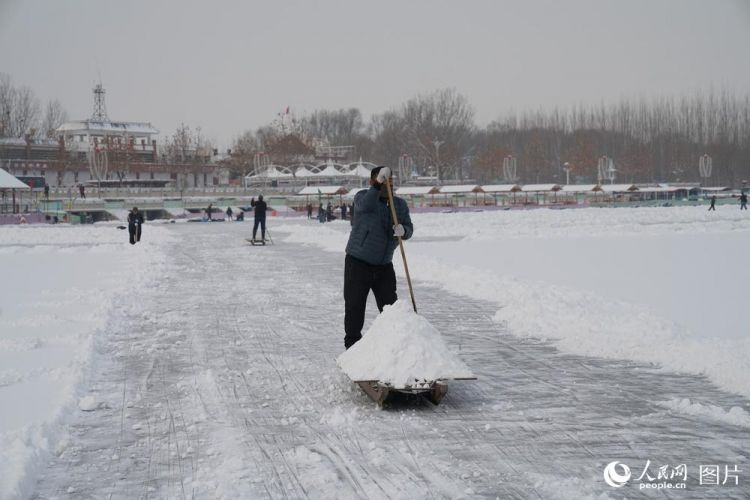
column 222, row 382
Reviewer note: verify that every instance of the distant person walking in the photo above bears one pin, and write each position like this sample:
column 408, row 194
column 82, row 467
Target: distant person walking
column 743, row 201
column 135, row 221
column 82, row 190
column 208, row 211
column 229, row 213
column 260, row 218
column 46, row 191
column 713, row 204
column 309, row 210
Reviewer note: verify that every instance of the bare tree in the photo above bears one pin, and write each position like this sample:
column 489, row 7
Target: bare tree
column 54, row 116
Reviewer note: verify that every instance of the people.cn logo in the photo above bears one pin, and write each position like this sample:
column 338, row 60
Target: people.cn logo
column 613, row 477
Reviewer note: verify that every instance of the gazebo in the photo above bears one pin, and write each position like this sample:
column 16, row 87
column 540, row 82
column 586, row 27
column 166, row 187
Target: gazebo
column 9, row 182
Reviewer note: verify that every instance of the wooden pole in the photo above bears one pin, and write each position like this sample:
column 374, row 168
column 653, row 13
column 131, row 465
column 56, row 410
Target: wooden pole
column 400, row 242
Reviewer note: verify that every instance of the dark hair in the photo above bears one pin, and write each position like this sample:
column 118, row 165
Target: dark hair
column 260, row 197
column 374, row 171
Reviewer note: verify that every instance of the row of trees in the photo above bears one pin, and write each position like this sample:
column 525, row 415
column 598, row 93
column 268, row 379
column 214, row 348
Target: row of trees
column 653, row 140
column 21, row 112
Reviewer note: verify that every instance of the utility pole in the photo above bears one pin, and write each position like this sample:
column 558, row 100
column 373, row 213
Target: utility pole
column 437, row 144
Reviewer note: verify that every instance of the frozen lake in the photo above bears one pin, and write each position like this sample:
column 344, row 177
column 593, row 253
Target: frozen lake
column 211, row 363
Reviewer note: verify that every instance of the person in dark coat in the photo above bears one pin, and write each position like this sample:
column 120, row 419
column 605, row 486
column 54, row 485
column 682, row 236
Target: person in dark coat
column 229, row 213
column 329, row 212
column 82, row 190
column 135, row 221
column 260, row 217
column 369, row 253
column 743, row 201
column 321, row 213
column 46, row 191
column 309, row 210
column 713, row 204
column 209, row 209
column 351, row 215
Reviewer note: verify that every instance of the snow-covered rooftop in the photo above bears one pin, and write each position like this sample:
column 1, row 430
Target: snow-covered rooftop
column 618, row 188
column 328, row 190
column 107, row 128
column 501, row 188
column 8, row 181
column 533, row 188
column 462, row 188
column 659, row 189
column 417, row 190
column 581, row 188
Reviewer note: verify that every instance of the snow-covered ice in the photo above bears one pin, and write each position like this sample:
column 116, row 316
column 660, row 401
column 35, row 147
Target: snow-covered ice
column 60, row 285
column 401, row 348
column 211, row 369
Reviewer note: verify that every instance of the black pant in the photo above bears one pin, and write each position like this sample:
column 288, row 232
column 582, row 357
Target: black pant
column 135, row 233
column 359, row 278
column 262, row 222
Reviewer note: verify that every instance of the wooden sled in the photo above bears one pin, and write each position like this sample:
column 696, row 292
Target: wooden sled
column 434, row 390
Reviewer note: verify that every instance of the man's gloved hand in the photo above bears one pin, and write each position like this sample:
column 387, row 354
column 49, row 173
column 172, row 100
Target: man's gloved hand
column 383, row 174
column 398, row 230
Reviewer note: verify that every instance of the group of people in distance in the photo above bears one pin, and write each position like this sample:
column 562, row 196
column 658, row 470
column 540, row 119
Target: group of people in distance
column 743, row 202
column 327, row 213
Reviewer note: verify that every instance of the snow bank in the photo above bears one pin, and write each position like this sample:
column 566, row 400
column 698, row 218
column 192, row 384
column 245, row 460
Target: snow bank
column 401, row 348
column 605, row 319
column 733, row 416
column 60, row 284
column 580, row 222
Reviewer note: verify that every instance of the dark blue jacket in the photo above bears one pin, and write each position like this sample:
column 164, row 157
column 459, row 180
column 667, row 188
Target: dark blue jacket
column 371, row 239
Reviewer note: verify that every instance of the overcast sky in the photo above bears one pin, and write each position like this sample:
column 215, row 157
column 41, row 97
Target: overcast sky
column 231, row 66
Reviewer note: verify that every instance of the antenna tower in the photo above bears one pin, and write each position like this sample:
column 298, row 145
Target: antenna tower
column 100, row 109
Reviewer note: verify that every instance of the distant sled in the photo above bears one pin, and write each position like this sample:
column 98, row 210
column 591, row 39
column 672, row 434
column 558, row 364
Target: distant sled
column 259, row 242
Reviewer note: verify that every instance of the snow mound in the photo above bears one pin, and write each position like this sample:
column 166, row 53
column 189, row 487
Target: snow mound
column 734, row 416
column 401, row 348
column 88, row 403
